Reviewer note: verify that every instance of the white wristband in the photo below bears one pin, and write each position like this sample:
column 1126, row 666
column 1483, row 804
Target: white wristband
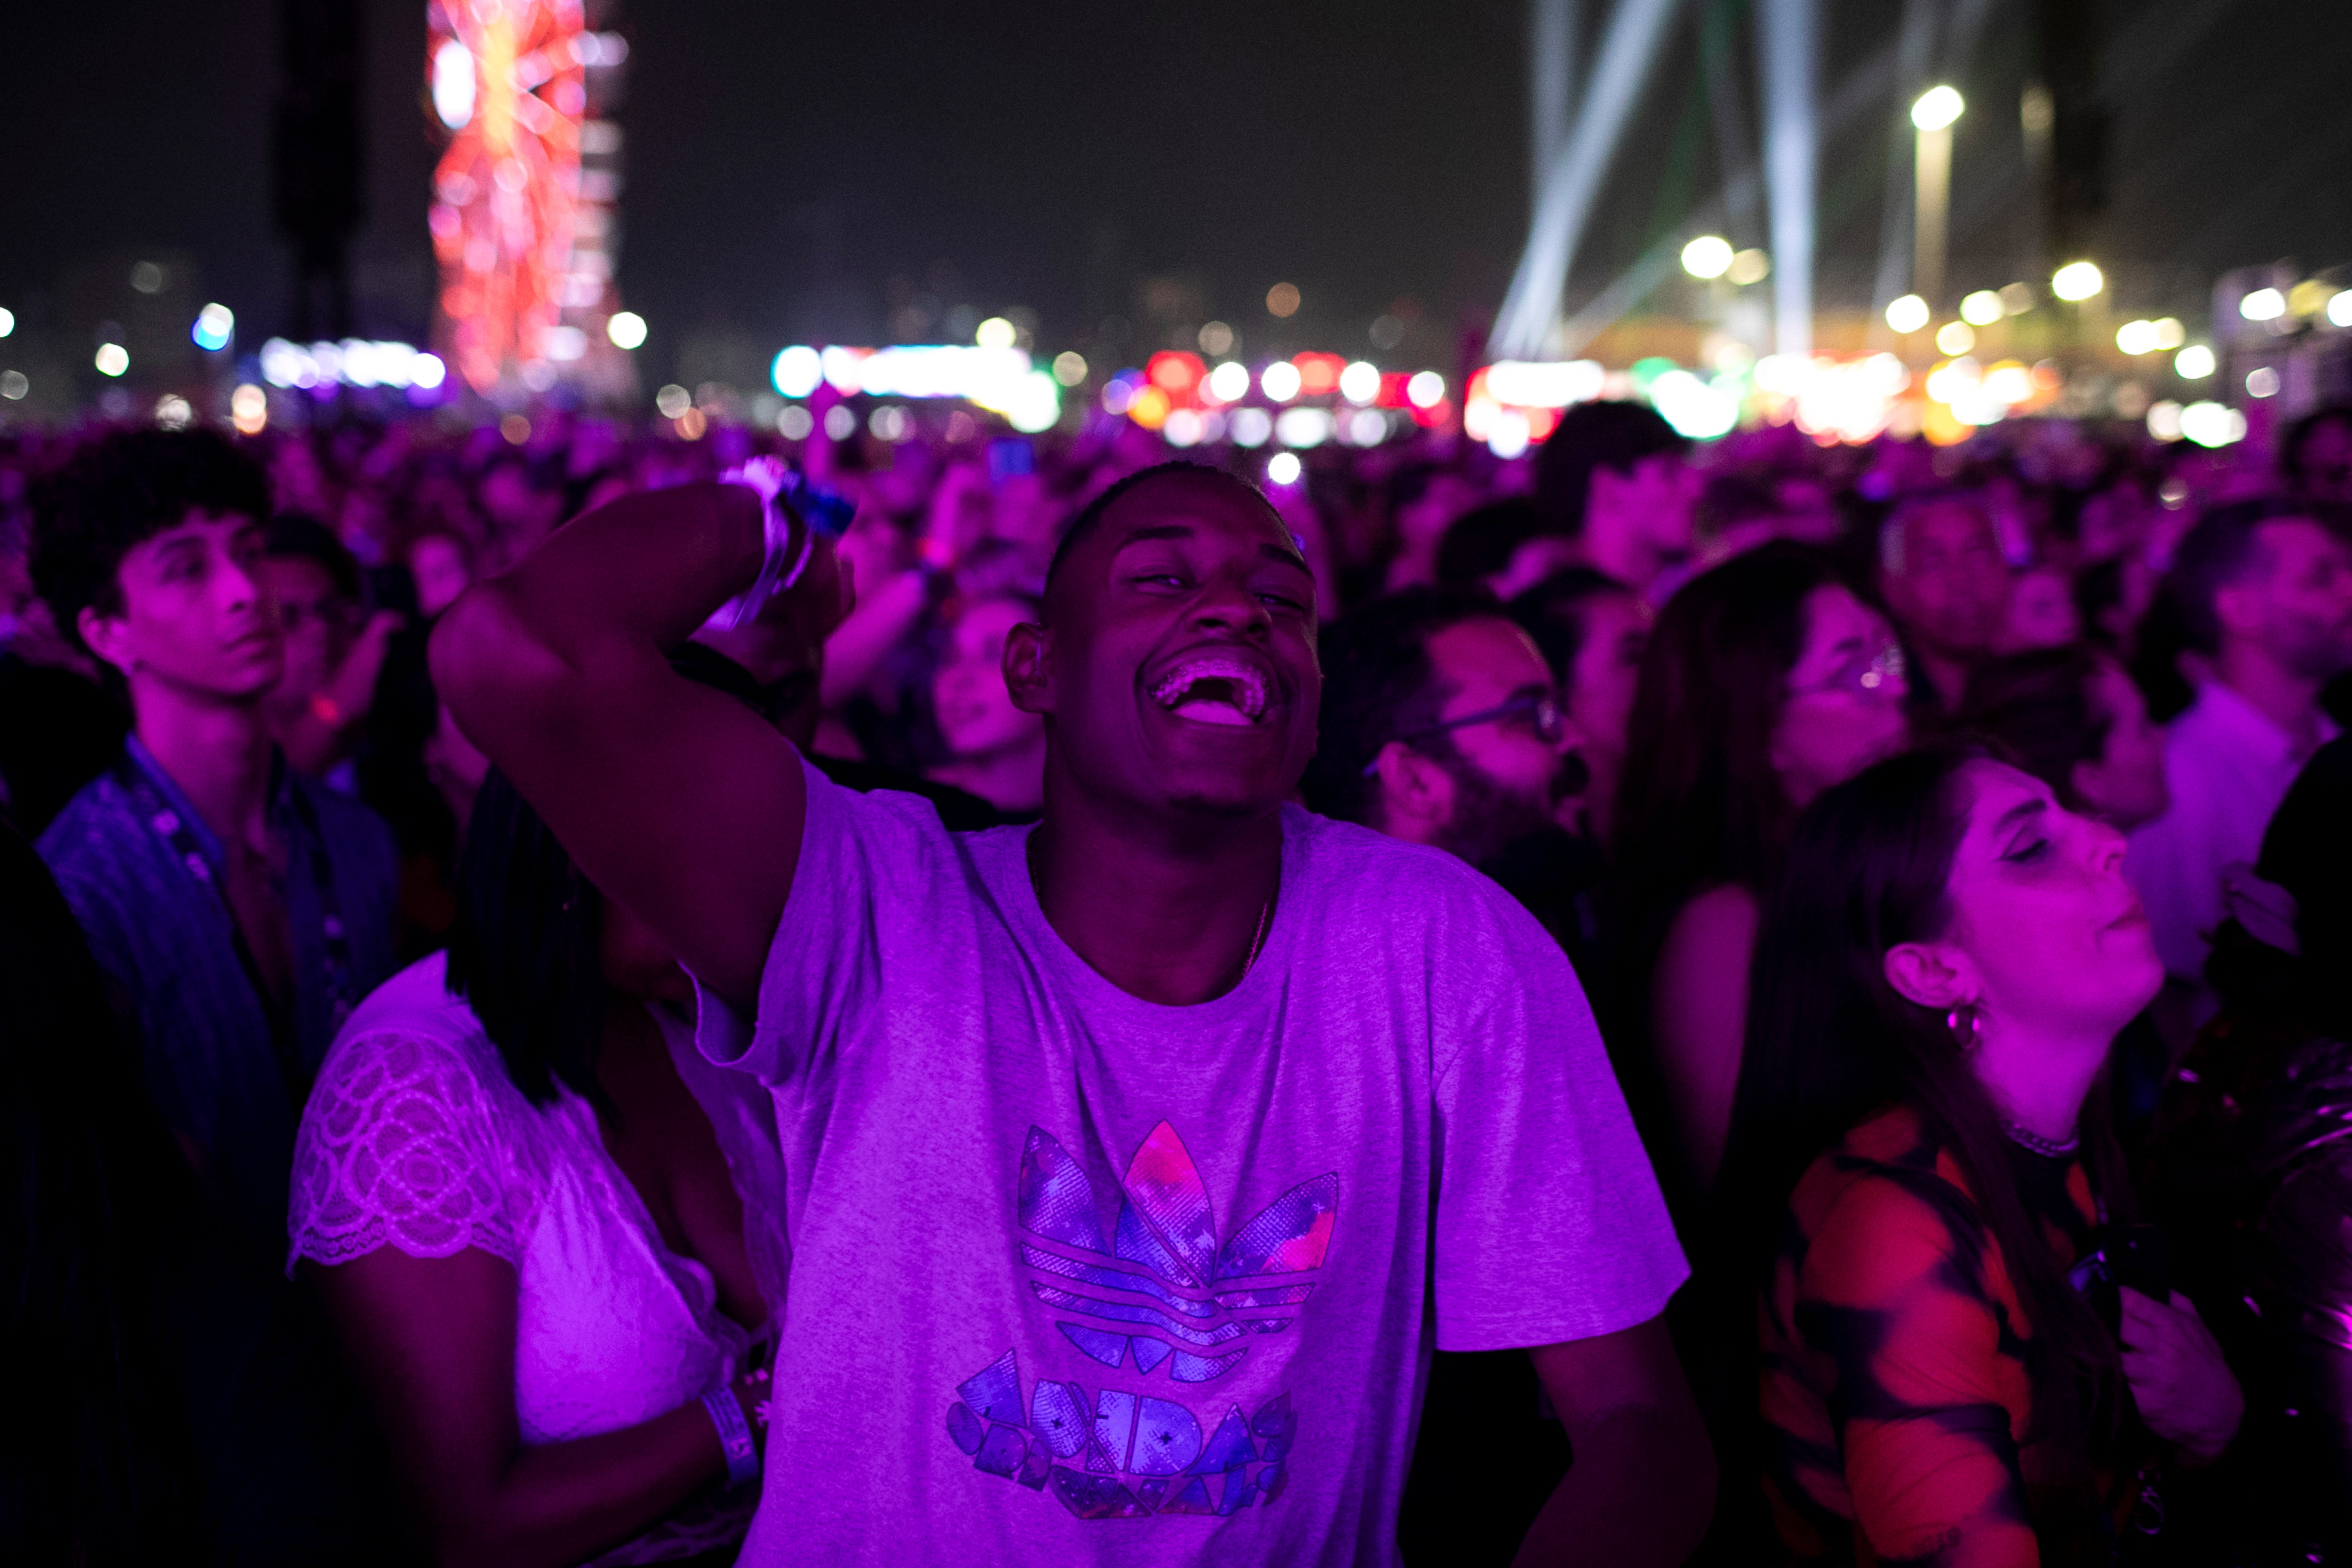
column 785, row 558
column 734, row 1436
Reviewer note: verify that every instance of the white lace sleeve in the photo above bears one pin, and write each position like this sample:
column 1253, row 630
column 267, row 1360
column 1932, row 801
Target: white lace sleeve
column 400, row 1147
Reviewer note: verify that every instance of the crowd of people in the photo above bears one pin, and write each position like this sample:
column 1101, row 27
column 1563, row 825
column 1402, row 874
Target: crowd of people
column 578, row 995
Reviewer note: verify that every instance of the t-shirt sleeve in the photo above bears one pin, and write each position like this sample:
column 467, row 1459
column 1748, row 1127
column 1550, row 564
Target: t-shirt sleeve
column 399, row 1148
column 1550, row 1225
column 865, row 861
column 1920, row 1390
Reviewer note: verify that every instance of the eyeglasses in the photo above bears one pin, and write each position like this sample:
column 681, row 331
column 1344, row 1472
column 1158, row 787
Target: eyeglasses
column 1870, row 675
column 1540, row 713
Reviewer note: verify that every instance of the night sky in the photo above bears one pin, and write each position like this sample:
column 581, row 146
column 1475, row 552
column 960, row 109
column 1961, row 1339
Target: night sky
column 798, row 171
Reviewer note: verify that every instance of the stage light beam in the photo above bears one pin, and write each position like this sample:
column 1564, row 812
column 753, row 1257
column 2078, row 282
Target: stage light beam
column 1530, row 315
column 1788, row 39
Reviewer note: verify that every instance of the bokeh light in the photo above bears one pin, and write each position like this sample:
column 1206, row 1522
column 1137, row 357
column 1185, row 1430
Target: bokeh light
column 2076, row 281
column 1750, row 266
column 797, row 371
column 2194, row 363
column 2212, row 424
column 1708, row 257
column 1360, row 381
column 1955, row 338
column 1981, row 308
column 1303, row 426
column 1216, row 339
column 111, row 359
column 1279, row 381
column 1908, row 314
column 1069, row 367
column 249, row 409
column 2261, row 305
column 626, row 329
column 1937, row 107
column 996, row 332
column 1230, row 382
column 1282, row 300
column 1283, row 469
column 1425, row 390
column 215, row 323
column 1695, row 408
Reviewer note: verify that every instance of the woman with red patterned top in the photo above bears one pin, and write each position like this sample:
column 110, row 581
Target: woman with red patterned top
column 1939, row 1217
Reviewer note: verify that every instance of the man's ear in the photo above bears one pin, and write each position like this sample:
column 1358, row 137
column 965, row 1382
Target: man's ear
column 106, row 637
column 1025, row 646
column 1929, row 973
column 1416, row 795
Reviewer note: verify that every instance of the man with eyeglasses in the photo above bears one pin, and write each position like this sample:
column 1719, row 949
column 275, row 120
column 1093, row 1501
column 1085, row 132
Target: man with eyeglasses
column 1440, row 726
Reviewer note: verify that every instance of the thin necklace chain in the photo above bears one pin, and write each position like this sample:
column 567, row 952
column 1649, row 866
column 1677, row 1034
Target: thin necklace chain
column 2050, row 1148
column 1264, row 914
column 1257, row 941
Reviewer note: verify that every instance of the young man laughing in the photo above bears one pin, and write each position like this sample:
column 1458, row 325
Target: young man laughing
column 1138, row 1160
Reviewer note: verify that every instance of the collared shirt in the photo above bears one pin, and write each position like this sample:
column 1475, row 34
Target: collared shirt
column 2229, row 767
column 167, row 938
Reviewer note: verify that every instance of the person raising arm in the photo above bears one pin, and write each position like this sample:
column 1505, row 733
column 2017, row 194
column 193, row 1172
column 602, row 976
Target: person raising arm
column 677, row 801
column 1132, row 1162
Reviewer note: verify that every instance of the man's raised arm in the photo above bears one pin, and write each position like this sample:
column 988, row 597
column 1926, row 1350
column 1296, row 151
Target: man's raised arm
column 676, row 800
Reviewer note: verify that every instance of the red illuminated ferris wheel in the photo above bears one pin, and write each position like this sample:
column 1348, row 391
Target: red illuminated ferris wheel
column 519, row 235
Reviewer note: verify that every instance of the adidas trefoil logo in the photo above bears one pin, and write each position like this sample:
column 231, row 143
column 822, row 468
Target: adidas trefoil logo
column 1200, row 1300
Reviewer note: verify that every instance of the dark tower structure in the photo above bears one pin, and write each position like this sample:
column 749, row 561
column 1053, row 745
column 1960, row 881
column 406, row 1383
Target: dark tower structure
column 316, row 159
column 2070, row 33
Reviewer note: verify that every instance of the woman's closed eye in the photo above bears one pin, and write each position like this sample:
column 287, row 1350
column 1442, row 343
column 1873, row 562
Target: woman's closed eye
column 2029, row 850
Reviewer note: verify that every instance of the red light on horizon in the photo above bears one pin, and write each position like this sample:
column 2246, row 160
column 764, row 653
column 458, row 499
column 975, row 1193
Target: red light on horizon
column 1318, row 374
column 1175, row 372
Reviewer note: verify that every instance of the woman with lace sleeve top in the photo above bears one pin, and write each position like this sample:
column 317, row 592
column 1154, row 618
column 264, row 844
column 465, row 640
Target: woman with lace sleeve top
column 539, row 1220
column 1931, row 1198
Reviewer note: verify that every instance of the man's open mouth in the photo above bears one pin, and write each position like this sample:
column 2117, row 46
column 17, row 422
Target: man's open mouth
column 1213, row 689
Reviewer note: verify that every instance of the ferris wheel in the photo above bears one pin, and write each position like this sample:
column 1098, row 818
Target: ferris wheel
column 511, row 81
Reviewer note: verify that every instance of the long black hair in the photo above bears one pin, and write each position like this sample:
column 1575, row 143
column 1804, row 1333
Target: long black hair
column 95, row 1458
column 1699, row 803
column 1830, row 1042
column 523, row 950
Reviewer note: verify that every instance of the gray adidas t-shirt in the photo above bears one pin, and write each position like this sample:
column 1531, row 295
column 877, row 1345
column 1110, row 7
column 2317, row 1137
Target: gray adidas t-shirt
column 1079, row 1279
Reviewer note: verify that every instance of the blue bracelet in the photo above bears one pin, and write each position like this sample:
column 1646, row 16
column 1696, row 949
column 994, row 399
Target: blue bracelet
column 734, row 1436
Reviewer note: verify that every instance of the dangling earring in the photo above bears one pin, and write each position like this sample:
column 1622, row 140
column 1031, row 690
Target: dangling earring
column 1961, row 1022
